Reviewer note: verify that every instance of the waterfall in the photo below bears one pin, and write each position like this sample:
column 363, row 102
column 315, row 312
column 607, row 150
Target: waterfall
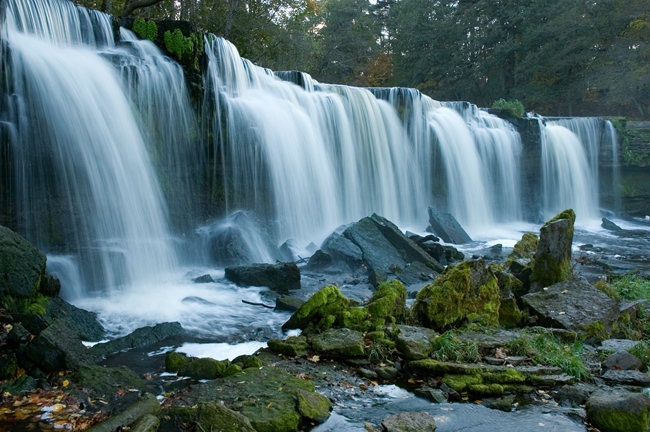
column 80, row 158
column 616, row 166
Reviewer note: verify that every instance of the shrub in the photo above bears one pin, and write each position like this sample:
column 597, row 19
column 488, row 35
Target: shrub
column 513, row 108
column 145, row 29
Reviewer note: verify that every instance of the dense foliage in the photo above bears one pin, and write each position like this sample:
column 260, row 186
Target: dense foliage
column 558, row 57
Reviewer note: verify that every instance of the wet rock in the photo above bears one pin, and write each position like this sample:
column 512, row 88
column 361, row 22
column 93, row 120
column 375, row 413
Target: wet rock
column 409, row 250
column 94, row 382
column 339, row 343
column 524, row 250
column 386, row 372
column 432, row 394
column 627, row 377
column 509, row 289
column 378, row 253
column 24, row 384
column 210, row 415
column 198, row 301
column 451, row 394
column 551, row 380
column 623, row 360
column 288, row 303
column 416, row 273
column 174, row 361
column 446, row 227
column 293, row 346
column 617, row 345
column 415, row 342
column 469, row 290
column 278, row 277
column 367, row 373
column 575, row 395
column 206, row 278
column 341, row 248
column 204, row 368
column 8, row 365
column 146, row 423
column 553, row 255
column 409, row 422
column 619, row 411
column 319, row 261
column 57, row 349
column 22, row 266
column 140, row 338
column 611, row 226
column 313, row 406
column 502, row 404
column 320, row 311
column 563, row 305
column 247, row 361
column 82, row 323
column 287, row 250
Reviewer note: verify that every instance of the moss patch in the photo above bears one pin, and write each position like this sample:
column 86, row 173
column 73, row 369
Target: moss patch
column 293, row 346
column 469, row 289
column 204, row 368
column 145, row 29
column 319, row 310
column 524, row 248
column 174, row 361
column 460, row 383
column 313, row 406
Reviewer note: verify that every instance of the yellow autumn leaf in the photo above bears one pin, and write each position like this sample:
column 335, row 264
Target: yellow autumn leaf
column 65, row 383
column 314, row 359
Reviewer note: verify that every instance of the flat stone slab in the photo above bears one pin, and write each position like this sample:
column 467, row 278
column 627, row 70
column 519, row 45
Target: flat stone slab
column 565, row 305
column 439, row 367
column 447, row 227
column 616, row 345
column 629, row 377
column 339, row 343
column 409, row 422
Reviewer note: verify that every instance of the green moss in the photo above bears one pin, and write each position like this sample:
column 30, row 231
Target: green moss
column 232, row 370
column 435, row 367
column 37, row 304
column 460, row 291
column 376, row 335
column 204, row 368
column 174, row 361
column 514, row 108
column 8, row 366
column 326, row 303
column 247, row 361
column 313, row 406
column 620, row 420
column 178, row 44
column 524, row 248
column 595, row 330
column 357, row 319
column 519, row 389
column 485, row 389
column 511, row 376
column 293, row 346
column 548, row 270
column 389, row 301
column 610, row 291
column 509, row 313
column 461, row 382
column 145, row 29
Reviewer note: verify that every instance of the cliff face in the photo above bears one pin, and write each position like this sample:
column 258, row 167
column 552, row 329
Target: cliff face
column 634, row 145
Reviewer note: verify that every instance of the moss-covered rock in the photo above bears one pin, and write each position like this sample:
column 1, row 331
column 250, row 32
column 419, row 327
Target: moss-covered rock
column 320, row 311
column 460, row 383
column 619, row 411
column 292, row 346
column 511, row 376
column 415, row 342
column 467, row 290
column 8, row 366
column 388, row 302
column 104, row 382
column 247, row 361
column 22, row 266
column 339, row 343
column 204, row 368
column 553, row 255
column 485, row 389
column 215, row 416
column 524, row 249
column 233, row 369
column 174, row 361
column 313, row 406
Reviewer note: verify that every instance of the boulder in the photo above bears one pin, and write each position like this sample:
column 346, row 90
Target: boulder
column 466, row 291
column 610, row 226
column 343, row 343
column 623, row 360
column 287, row 250
column 204, row 368
column 288, row 303
column 320, row 311
column 140, row 338
column 278, row 277
column 524, row 249
column 619, row 411
column 206, row 278
column 102, row 382
column 510, row 290
column 415, row 342
column 378, row 253
column 553, row 255
column 341, row 248
column 319, row 261
column 215, row 416
column 565, row 305
column 292, row 346
column 627, row 377
column 447, row 227
column 416, row 273
column 313, row 406
column 174, row 361
column 617, row 345
column 57, row 348
column 409, row 422
column 22, row 266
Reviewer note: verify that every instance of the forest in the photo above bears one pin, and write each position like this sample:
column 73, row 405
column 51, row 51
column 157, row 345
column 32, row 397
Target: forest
column 558, row 57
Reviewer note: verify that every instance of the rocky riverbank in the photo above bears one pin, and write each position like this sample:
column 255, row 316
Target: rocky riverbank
column 525, row 341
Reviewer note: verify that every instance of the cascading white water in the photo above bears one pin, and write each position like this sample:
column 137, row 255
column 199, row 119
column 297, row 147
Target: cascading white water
column 78, row 137
column 567, row 175
column 616, row 167
column 317, row 156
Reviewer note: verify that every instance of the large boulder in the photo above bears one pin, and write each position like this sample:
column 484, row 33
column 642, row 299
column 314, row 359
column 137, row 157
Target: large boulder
column 574, row 305
column 619, row 411
column 466, row 291
column 57, row 348
column 140, row 338
column 553, row 255
column 378, row 253
column 278, row 277
column 415, row 342
column 22, row 266
column 320, row 311
column 340, row 248
column 447, row 227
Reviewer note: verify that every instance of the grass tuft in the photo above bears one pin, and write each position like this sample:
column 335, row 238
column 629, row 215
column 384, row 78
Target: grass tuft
column 449, row 347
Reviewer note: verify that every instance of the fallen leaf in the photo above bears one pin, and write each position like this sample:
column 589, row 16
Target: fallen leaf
column 65, row 383
column 500, row 353
column 314, row 359
column 565, row 291
column 270, row 405
column 363, row 387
